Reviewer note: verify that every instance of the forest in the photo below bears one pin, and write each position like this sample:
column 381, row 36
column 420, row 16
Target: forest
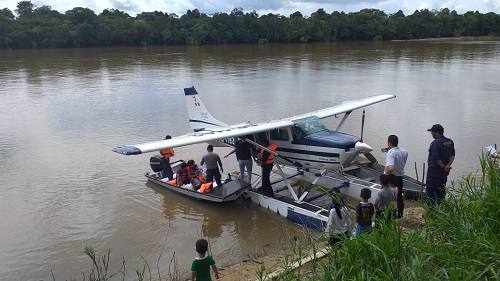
column 31, row 26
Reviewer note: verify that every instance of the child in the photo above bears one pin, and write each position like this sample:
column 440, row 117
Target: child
column 384, row 198
column 364, row 213
column 339, row 222
column 200, row 268
column 182, row 175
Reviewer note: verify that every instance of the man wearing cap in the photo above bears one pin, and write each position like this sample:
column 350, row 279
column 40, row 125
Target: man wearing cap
column 441, row 156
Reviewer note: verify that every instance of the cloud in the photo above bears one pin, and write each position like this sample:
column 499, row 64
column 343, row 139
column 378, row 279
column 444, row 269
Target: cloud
column 284, row 7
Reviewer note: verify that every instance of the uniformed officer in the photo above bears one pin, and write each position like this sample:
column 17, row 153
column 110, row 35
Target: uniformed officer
column 441, row 156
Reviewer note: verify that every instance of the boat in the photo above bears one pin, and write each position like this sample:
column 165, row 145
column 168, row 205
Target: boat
column 230, row 190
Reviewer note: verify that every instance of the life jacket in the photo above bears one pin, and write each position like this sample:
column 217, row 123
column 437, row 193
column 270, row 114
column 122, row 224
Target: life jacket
column 172, row 182
column 167, row 152
column 205, row 187
column 270, row 158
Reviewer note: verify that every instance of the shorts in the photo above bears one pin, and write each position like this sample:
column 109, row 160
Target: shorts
column 360, row 229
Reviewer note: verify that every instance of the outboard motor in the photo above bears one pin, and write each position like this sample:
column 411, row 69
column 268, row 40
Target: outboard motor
column 156, row 163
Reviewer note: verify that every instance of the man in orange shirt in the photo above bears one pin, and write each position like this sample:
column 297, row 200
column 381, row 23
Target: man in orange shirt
column 167, row 153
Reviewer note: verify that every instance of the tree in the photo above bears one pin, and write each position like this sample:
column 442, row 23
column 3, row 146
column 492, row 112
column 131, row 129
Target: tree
column 5, row 13
column 25, row 8
column 42, row 27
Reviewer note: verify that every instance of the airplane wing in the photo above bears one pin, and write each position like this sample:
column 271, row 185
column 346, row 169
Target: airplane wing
column 219, row 133
column 345, row 107
column 202, row 136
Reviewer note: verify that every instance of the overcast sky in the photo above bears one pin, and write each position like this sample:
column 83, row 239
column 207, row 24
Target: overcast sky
column 284, row 7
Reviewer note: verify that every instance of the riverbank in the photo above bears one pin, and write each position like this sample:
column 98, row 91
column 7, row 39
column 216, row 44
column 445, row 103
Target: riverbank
column 456, row 240
column 452, row 39
column 273, row 264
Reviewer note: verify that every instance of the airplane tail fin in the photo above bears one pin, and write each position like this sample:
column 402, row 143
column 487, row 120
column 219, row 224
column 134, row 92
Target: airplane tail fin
column 199, row 117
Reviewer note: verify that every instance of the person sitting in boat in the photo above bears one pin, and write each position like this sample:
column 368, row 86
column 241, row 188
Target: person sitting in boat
column 193, row 170
column 182, row 175
column 194, row 174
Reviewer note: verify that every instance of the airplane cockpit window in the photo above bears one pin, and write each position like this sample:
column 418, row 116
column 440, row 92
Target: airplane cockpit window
column 261, row 138
column 309, row 125
column 280, row 134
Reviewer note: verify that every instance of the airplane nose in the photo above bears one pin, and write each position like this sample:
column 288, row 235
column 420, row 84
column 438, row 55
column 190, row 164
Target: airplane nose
column 362, row 147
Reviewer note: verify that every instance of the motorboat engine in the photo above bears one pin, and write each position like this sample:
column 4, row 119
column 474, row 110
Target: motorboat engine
column 156, row 163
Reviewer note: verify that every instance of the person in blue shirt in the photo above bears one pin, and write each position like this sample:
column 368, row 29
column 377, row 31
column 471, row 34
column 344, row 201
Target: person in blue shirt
column 441, row 157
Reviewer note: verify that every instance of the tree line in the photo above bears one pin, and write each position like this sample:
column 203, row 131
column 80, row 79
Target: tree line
column 30, row 26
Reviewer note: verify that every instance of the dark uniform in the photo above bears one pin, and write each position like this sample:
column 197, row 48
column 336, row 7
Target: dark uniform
column 443, row 149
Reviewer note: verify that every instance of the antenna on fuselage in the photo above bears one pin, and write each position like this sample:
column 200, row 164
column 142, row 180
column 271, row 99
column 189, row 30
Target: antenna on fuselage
column 362, row 125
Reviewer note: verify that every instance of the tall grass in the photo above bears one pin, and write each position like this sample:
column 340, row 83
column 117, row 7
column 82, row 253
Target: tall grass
column 100, row 269
column 459, row 240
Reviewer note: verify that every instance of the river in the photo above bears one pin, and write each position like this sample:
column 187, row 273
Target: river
column 63, row 110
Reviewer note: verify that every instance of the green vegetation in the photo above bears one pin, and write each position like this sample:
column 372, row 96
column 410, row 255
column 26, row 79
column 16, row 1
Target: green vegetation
column 42, row 27
column 458, row 241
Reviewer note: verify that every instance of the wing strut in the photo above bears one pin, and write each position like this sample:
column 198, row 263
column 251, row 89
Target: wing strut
column 343, row 120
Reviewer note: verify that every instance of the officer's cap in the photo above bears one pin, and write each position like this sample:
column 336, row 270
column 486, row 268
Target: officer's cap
column 436, row 128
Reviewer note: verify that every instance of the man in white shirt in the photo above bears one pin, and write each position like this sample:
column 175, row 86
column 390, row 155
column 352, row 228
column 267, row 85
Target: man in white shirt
column 395, row 162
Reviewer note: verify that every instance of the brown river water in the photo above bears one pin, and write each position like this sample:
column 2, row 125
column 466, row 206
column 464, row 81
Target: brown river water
column 62, row 111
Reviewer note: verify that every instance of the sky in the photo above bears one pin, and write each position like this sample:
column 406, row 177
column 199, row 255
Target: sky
column 284, row 7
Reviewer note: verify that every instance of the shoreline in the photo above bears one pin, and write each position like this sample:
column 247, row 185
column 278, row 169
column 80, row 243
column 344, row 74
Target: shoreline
column 248, row 269
column 429, row 39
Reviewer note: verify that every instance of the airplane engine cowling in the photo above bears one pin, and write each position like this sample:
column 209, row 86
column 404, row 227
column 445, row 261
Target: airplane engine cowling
column 362, row 147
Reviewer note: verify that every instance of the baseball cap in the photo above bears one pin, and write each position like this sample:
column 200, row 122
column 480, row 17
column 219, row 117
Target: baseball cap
column 436, row 128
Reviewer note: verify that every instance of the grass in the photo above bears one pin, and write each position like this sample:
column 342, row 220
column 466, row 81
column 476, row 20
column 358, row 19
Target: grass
column 459, row 240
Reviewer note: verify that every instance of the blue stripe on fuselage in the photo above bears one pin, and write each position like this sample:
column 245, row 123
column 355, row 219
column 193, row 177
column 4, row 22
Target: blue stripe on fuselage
column 309, row 160
column 204, row 122
column 308, row 152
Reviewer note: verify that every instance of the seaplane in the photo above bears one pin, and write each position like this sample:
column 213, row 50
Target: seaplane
column 305, row 146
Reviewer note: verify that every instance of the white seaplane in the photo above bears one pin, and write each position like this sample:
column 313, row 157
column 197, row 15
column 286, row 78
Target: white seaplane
column 304, row 144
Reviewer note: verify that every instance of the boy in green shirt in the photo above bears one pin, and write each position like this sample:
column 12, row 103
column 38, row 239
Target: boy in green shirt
column 200, row 268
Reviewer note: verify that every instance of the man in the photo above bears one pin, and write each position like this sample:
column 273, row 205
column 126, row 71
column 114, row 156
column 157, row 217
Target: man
column 267, row 161
column 441, row 157
column 212, row 162
column 167, row 153
column 244, row 152
column 395, row 162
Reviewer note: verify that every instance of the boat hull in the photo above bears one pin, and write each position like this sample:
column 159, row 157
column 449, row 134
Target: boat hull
column 227, row 192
